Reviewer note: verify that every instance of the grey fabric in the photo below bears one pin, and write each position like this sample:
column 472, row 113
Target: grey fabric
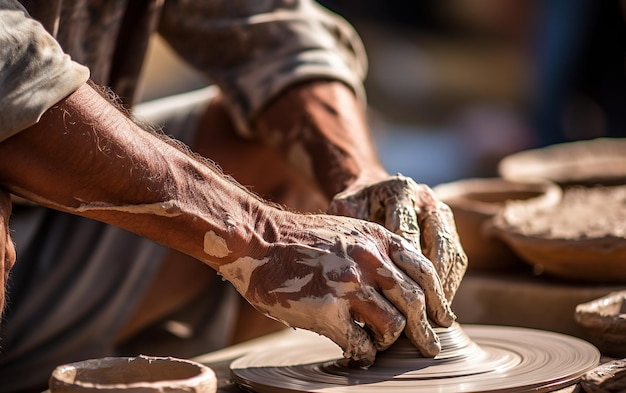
column 34, row 72
column 76, row 281
column 253, row 50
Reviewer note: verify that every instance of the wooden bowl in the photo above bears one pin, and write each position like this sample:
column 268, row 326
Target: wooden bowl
column 589, row 162
column 605, row 320
column 582, row 238
column 133, row 375
column 475, row 202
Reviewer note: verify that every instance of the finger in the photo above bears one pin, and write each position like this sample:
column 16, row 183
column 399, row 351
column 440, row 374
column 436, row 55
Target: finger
column 331, row 318
column 355, row 342
column 443, row 247
column 381, row 319
column 401, row 217
column 410, row 300
column 423, row 273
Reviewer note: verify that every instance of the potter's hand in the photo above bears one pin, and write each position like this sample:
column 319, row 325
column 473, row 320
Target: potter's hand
column 347, row 279
column 412, row 211
column 7, row 249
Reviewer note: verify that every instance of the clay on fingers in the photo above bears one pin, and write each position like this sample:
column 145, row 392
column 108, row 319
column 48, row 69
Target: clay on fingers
column 422, row 272
column 441, row 244
column 379, row 318
column 401, row 217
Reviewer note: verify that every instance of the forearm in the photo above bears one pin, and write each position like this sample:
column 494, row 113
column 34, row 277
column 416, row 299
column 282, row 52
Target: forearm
column 321, row 128
column 87, row 158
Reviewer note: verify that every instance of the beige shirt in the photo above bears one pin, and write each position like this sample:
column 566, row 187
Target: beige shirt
column 34, row 72
column 252, row 50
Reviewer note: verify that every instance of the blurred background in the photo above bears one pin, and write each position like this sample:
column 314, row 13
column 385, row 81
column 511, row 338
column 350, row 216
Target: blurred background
column 455, row 85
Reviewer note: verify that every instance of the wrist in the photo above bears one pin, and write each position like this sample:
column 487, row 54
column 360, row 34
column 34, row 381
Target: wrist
column 321, row 128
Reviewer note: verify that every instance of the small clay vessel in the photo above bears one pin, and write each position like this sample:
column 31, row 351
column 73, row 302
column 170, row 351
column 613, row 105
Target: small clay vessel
column 609, row 377
column 605, row 320
column 475, row 202
column 142, row 374
column 581, row 238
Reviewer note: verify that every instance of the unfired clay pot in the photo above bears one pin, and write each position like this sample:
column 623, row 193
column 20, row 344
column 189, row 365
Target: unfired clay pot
column 582, row 238
column 142, row 374
column 605, row 320
column 475, row 202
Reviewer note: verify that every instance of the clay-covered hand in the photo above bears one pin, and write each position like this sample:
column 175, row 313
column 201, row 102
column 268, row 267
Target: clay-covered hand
column 412, row 211
column 347, row 279
column 7, row 249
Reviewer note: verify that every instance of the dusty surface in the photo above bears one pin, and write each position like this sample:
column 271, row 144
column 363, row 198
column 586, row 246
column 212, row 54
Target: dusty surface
column 581, row 238
column 583, row 213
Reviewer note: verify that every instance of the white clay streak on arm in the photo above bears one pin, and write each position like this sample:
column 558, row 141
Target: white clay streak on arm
column 165, row 209
column 214, row 245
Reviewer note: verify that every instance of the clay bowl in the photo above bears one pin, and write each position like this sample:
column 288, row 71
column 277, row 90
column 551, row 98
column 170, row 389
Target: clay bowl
column 590, row 162
column 133, row 374
column 475, row 202
column 582, row 238
column 605, row 320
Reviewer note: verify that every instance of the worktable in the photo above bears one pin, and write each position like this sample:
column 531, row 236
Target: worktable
column 220, row 360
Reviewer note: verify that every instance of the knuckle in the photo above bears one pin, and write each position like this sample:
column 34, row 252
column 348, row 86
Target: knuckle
column 416, row 302
column 426, row 267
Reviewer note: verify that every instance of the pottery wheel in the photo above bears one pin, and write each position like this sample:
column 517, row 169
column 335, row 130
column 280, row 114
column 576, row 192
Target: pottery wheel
column 474, row 358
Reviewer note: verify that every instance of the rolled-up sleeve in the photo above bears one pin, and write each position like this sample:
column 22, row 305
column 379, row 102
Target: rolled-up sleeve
column 35, row 74
column 253, row 50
